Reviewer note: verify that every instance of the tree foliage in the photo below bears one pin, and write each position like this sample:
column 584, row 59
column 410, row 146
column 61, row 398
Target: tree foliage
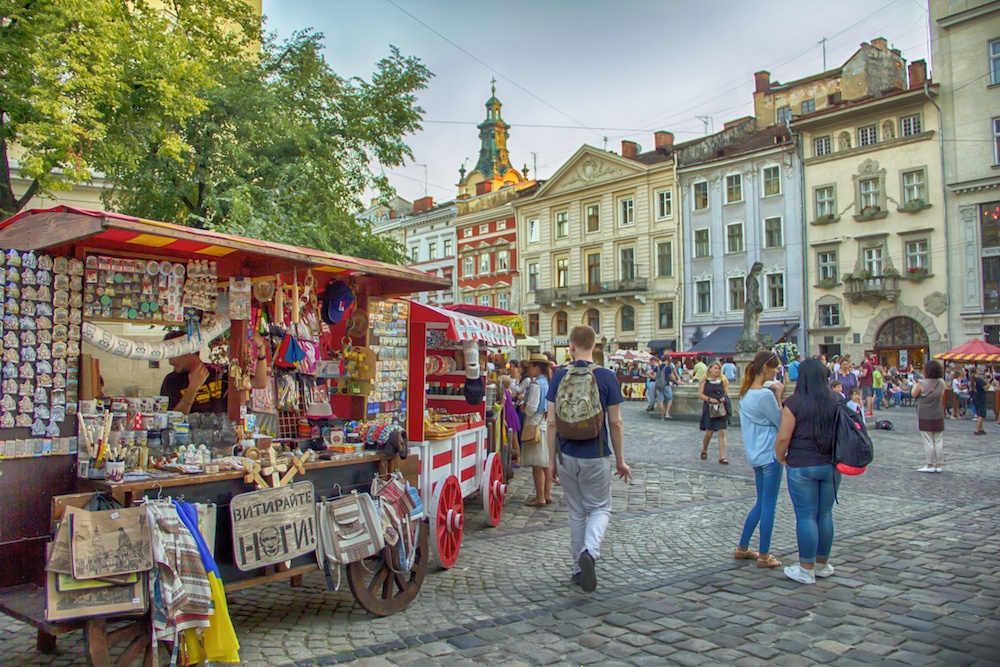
column 281, row 150
column 77, row 77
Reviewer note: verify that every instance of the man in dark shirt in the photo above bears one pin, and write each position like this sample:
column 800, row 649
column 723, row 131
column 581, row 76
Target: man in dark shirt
column 585, row 465
column 194, row 386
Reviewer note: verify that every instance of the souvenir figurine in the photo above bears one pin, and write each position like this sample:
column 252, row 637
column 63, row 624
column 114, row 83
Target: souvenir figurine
column 28, row 308
column 13, row 291
column 12, row 306
column 44, row 294
column 28, row 339
column 27, row 389
column 43, row 309
column 13, row 258
column 44, row 336
column 27, row 323
column 43, row 277
column 13, row 276
column 43, row 367
column 29, row 293
column 8, row 403
column 44, row 352
column 23, row 421
column 76, row 267
column 60, row 332
column 58, row 350
column 40, row 396
column 29, row 354
column 73, row 348
column 43, row 323
column 10, row 387
column 9, row 370
column 60, row 265
column 27, row 371
column 58, row 382
column 12, row 354
column 7, row 420
column 28, row 260
column 38, row 427
column 61, row 283
column 52, row 430
column 42, row 411
column 28, row 277
column 45, row 262
column 59, row 366
column 44, row 380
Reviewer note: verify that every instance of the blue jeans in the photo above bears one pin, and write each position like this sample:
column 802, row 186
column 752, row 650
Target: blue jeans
column 879, row 395
column 768, row 480
column 813, row 492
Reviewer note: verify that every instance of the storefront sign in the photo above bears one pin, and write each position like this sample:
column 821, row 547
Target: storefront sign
column 273, row 525
column 560, row 342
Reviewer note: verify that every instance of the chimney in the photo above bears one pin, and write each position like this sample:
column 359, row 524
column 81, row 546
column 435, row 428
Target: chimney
column 880, row 44
column 392, row 214
column 734, row 123
column 762, row 82
column 664, row 142
column 423, row 204
column 629, row 149
column 483, row 187
column 918, row 73
column 896, row 52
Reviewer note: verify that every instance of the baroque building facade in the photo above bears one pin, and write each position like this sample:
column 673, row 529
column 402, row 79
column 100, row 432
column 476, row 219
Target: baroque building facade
column 598, row 245
column 966, row 56
column 429, row 237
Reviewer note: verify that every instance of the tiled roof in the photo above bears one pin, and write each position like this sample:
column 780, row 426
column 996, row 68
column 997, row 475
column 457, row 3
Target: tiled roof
column 756, row 141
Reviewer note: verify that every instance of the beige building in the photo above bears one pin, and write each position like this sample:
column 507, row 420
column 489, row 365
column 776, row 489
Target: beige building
column 875, row 253
column 599, row 244
column 966, row 57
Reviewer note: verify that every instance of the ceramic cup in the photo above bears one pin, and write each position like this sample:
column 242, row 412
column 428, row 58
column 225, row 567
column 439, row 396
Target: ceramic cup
column 114, row 471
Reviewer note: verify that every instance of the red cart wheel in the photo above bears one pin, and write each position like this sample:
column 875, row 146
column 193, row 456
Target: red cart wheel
column 493, row 489
column 447, row 521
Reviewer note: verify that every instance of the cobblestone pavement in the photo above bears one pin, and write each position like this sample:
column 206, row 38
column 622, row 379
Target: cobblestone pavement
column 917, row 580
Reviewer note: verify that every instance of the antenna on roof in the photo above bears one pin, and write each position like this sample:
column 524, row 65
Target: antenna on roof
column 707, row 120
column 823, row 42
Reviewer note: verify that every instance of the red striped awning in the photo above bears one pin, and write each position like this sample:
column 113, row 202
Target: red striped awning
column 974, row 350
column 464, row 327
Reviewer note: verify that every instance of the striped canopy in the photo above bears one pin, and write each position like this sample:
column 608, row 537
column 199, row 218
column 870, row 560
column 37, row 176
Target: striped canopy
column 974, row 350
column 464, row 327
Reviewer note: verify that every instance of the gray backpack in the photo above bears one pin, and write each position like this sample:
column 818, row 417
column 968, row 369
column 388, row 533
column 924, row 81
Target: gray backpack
column 579, row 414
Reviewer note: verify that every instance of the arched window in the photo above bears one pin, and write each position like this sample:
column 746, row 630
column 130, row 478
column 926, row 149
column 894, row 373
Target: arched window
column 901, row 332
column 593, row 319
column 628, row 318
column 562, row 323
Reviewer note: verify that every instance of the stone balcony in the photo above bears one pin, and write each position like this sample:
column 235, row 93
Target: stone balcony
column 550, row 296
column 873, row 290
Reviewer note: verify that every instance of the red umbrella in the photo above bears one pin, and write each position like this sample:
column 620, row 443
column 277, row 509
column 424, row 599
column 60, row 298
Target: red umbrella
column 974, row 350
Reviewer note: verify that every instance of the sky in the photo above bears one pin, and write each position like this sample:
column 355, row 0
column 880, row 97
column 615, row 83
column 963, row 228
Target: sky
column 574, row 72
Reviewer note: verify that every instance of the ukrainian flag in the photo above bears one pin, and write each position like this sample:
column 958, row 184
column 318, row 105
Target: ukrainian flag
column 221, row 644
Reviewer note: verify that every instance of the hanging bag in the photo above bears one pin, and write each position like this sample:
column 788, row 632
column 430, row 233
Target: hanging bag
column 350, row 531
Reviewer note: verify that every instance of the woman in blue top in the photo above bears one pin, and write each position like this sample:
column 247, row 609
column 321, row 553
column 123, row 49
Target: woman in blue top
column 760, row 418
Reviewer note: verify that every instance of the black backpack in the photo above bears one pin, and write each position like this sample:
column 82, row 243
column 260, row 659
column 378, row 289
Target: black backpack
column 852, row 448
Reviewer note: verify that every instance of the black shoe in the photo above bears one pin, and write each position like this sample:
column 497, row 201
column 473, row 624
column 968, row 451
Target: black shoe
column 649, row 408
column 577, row 577
column 588, row 576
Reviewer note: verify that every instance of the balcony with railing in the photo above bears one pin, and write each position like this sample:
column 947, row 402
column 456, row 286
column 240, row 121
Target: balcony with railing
column 871, row 289
column 548, row 296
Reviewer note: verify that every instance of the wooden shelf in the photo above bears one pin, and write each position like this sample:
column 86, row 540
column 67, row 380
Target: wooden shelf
column 125, row 320
column 443, row 397
column 447, row 375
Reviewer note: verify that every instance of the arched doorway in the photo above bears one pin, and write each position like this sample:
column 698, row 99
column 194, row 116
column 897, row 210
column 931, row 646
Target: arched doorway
column 902, row 341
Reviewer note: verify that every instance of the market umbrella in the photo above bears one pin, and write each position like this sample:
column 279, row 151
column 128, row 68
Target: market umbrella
column 974, row 350
column 498, row 315
column 619, row 355
column 685, row 355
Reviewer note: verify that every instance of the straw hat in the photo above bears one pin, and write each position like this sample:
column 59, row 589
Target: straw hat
column 537, row 358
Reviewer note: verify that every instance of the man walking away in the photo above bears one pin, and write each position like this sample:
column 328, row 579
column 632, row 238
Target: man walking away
column 793, row 368
column 665, row 379
column 583, row 400
column 651, row 374
column 867, row 386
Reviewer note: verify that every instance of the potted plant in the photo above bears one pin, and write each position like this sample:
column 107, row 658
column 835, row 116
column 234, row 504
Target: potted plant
column 913, row 205
column 827, row 283
column 847, row 276
column 890, row 272
column 865, row 275
column 826, row 217
column 871, row 210
column 916, row 273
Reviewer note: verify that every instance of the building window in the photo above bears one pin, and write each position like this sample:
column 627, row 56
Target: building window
column 484, row 263
column 626, row 211
column 594, row 272
column 468, row 299
column 867, row 136
column 562, row 272
column 447, row 248
column 432, row 250
column 533, row 326
column 470, row 267
column 501, row 224
column 593, row 218
column 532, row 277
column 827, row 262
column 594, row 320
column 870, row 194
column 703, row 289
column 734, row 237
column 628, row 318
column 484, row 228
column 808, row 106
column 532, row 231
column 915, row 186
column 873, row 261
column 737, row 295
column 825, row 205
column 700, row 195
column 502, row 300
column 734, row 188
column 910, row 125
column 772, row 181
column 666, row 314
column 995, row 62
column 991, row 284
column 822, row 146
column 467, row 232
column 664, row 259
column 503, row 260
column 562, row 224
column 562, row 323
column 664, row 204
column 989, row 217
column 996, row 141
column 917, row 255
column 829, row 315
column 776, row 290
column 773, row 235
column 702, row 247
column 484, row 300
column 627, row 257
column 784, row 115
column 415, row 254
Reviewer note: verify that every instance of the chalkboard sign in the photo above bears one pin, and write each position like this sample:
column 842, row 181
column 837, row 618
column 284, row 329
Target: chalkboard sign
column 273, row 525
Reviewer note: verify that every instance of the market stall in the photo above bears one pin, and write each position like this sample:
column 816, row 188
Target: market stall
column 334, row 346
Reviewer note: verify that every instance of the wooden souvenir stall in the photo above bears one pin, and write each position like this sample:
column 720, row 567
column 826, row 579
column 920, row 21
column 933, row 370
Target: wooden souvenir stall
column 109, row 268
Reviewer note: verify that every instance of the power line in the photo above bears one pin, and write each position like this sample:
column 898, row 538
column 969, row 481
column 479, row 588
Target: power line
column 555, row 127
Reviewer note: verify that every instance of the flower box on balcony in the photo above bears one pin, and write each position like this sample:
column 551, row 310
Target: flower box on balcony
column 916, row 274
column 827, row 283
column 871, row 212
column 913, row 206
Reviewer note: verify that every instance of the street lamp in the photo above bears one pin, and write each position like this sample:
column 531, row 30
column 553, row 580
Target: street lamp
column 604, row 344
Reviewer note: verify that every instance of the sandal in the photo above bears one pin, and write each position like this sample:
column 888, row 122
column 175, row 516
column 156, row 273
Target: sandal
column 770, row 561
column 535, row 502
column 704, row 455
column 745, row 554
column 724, row 462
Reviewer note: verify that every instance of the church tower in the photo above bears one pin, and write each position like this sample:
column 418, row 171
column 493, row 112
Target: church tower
column 493, row 170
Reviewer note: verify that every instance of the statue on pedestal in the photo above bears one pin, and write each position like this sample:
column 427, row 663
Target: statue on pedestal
column 751, row 341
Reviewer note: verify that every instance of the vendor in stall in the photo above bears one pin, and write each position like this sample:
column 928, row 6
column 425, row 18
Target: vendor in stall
column 193, row 386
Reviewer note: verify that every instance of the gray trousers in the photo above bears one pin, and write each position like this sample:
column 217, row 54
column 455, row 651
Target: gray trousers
column 586, row 487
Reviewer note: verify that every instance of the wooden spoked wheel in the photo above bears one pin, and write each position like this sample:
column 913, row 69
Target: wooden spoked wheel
column 447, row 521
column 380, row 590
column 494, row 490
column 138, row 650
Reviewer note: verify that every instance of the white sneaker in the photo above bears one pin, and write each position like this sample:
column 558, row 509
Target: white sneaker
column 800, row 574
column 938, row 469
column 823, row 570
column 926, row 469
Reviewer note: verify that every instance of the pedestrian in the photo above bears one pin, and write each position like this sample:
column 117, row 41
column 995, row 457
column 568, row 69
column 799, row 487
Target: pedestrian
column 793, row 368
column 977, row 390
column 699, row 369
column 511, row 417
column 838, row 388
column 878, row 386
column 715, row 411
column 729, row 370
column 665, row 380
column 854, row 402
column 805, row 447
column 760, row 417
column 959, row 391
column 848, row 379
column 929, row 393
column 584, row 463
column 534, row 449
column 651, row 375
column 867, row 379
